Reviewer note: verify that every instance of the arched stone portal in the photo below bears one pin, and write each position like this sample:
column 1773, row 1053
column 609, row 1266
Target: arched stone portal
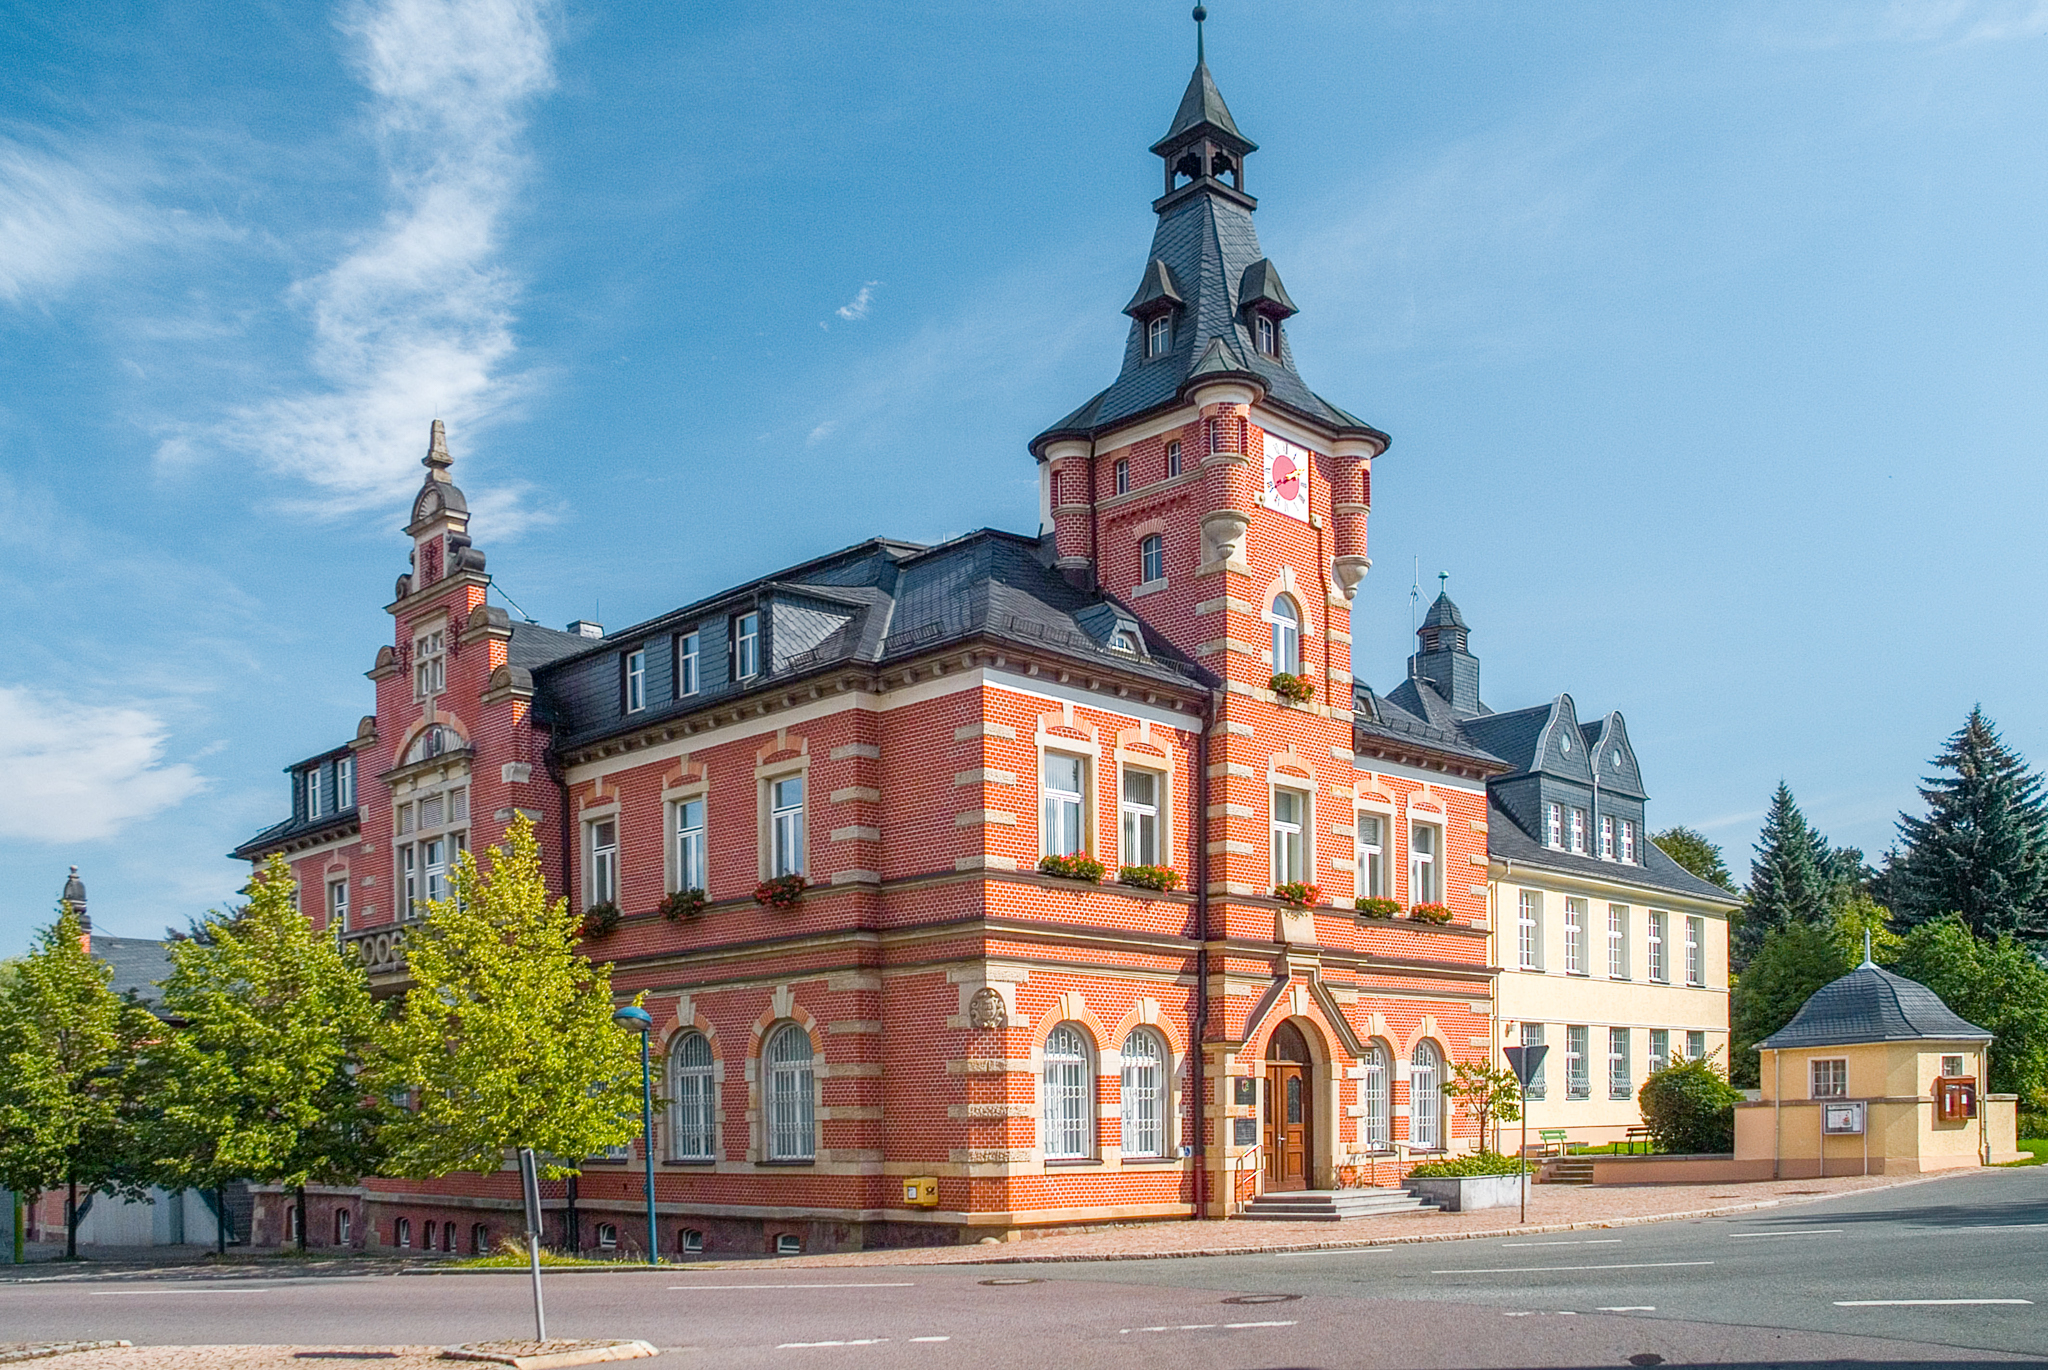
column 1288, row 1122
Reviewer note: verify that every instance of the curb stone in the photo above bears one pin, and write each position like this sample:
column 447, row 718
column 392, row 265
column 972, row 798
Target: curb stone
column 588, row 1353
column 38, row 1350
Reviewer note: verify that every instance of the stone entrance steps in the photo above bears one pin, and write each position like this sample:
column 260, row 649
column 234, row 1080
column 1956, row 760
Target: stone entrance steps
column 1333, row 1205
column 1566, row 1170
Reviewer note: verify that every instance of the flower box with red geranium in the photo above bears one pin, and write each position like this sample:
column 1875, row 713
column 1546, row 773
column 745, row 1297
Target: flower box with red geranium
column 1295, row 689
column 783, row 892
column 1074, row 867
column 1430, row 913
column 1297, row 895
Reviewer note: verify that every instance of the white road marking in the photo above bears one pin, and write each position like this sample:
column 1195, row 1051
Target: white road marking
column 115, row 1293
column 1988, row 1227
column 1591, row 1241
column 1919, row 1303
column 1803, row 1232
column 1540, row 1269
column 931, row 1339
column 1205, row 1327
column 1288, row 1323
column 807, row 1345
column 896, row 1284
column 1629, row 1308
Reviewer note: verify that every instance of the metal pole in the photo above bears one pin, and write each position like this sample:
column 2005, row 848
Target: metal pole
column 647, row 1145
column 1524, row 1157
column 529, row 1185
column 540, row 1317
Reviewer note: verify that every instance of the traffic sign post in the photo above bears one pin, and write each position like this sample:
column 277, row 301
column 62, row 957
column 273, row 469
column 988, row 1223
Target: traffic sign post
column 1525, row 1062
column 529, row 1184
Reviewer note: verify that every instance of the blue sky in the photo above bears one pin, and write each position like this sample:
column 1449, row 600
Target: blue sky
column 1710, row 338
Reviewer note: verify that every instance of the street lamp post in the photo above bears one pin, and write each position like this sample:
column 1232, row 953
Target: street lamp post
column 636, row 1019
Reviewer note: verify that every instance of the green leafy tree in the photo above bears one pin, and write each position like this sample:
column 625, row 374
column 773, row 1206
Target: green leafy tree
column 1491, row 1093
column 67, row 1043
column 1982, row 850
column 2001, row 986
column 1856, row 917
column 1690, row 848
column 1795, row 960
column 260, row 1080
column 1789, row 882
column 506, row 1039
column 1689, row 1107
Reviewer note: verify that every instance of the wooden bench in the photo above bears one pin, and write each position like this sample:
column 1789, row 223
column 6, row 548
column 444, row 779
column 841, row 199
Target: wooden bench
column 1637, row 1134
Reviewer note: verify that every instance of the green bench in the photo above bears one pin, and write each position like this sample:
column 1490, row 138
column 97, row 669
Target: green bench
column 1554, row 1136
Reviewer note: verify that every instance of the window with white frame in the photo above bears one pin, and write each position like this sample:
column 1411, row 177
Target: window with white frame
column 1695, row 955
column 429, row 664
column 689, row 854
column 1146, row 1073
column 693, row 1099
column 1553, row 825
column 1575, row 913
column 345, row 783
column 1173, row 458
column 1426, row 1098
column 1830, row 1078
column 601, row 847
column 1159, row 336
column 1617, row 941
column 429, row 839
column 1290, row 836
column 1125, row 641
column 1267, row 335
column 1578, row 1083
column 1069, row 1096
column 1606, row 837
column 1216, row 435
column 1286, row 636
column 746, row 646
column 1578, row 831
column 1532, row 1036
column 688, row 651
column 792, row 1104
column 1619, row 1076
column 434, row 868
column 786, row 826
column 1063, row 788
column 1951, row 1067
column 1372, row 856
column 1660, row 1049
column 1120, row 474
column 337, row 905
column 313, row 796
column 1695, row 1044
column 1628, row 841
column 1659, row 969
column 636, row 680
column 1425, row 874
column 1139, row 808
column 1151, row 558
column 1376, row 1126
column 1529, row 929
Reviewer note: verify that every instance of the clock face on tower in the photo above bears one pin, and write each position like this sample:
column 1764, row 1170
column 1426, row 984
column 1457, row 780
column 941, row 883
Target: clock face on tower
column 1287, row 475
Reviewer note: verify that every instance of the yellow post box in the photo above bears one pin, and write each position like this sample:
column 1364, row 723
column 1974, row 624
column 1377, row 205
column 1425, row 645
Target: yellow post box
column 921, row 1191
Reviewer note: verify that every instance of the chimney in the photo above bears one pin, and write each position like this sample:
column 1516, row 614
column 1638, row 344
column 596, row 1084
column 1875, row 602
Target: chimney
column 583, row 627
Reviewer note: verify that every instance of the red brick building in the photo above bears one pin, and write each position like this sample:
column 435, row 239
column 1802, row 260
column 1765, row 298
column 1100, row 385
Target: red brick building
column 913, row 730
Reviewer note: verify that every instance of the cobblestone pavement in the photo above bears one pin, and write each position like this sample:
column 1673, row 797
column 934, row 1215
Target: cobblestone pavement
column 1551, row 1208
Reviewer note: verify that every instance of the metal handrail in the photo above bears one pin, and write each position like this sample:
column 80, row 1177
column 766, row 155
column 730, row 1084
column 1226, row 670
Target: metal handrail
column 1237, row 1187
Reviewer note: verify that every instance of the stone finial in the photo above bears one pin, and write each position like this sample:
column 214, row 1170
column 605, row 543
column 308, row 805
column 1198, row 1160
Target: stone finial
column 437, row 459
column 74, row 895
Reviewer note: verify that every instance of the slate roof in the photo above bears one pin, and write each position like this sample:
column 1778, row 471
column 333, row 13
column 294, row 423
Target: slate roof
column 1443, row 614
column 138, row 963
column 533, row 646
column 1870, row 1004
column 1400, row 719
column 1201, row 103
column 291, row 829
column 1507, row 841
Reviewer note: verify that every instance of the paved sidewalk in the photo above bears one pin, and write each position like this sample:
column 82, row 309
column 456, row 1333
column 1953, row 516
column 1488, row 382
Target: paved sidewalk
column 247, row 1358
column 1552, row 1208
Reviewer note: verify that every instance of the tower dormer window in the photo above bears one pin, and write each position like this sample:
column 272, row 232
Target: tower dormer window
column 1159, row 336
column 429, row 664
column 1286, row 636
column 1268, row 336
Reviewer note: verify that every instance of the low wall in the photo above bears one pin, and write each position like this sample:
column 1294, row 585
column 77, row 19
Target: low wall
column 1467, row 1192
column 1710, row 1169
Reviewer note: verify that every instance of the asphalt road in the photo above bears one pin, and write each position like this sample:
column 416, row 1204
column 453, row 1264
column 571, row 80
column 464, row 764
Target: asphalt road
column 1951, row 1273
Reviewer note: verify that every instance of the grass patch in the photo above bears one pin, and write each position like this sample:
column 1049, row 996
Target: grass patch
column 2037, row 1145
column 511, row 1256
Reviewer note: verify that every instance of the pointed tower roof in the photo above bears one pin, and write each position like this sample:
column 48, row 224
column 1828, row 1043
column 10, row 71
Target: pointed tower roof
column 1202, row 108
column 1443, row 613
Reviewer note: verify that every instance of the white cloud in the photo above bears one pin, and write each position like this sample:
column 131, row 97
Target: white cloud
column 417, row 321
column 856, row 308
column 60, row 219
column 80, row 772
column 822, row 431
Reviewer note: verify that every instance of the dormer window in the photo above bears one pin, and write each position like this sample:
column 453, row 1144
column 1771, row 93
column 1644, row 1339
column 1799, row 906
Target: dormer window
column 1268, row 336
column 1159, row 336
column 429, row 664
column 1125, row 641
column 746, row 646
column 636, row 680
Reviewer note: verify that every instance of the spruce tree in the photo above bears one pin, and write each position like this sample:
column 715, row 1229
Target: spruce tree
column 1789, row 882
column 1794, row 961
column 1982, row 850
column 1690, row 848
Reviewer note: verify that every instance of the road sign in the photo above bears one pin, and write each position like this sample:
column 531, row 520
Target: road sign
column 1525, row 1062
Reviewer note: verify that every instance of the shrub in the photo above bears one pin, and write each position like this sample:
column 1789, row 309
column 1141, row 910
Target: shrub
column 1297, row 895
column 1689, row 1107
column 1459, row 1167
column 600, row 920
column 1430, row 913
column 1149, row 877
column 684, row 904
column 1295, row 689
column 1379, row 908
column 1075, row 867
column 783, row 892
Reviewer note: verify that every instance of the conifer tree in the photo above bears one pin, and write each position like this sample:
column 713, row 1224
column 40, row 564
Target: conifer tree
column 259, row 1082
column 1690, row 848
column 1789, row 882
column 1982, row 850
column 1795, row 960
column 67, row 1044
column 506, row 1039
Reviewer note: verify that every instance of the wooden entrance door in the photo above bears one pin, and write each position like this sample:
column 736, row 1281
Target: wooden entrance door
column 1288, row 1110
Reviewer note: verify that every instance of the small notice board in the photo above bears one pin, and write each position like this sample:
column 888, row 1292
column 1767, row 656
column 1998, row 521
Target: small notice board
column 1844, row 1119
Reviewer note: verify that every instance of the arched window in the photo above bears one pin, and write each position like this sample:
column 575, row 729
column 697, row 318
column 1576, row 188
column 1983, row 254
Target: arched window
column 693, row 1099
column 1426, row 1098
column 341, row 1226
column 1286, row 636
column 1145, row 1077
column 479, row 1240
column 792, row 1115
column 690, row 1242
column 1069, row 1095
column 432, row 742
column 1377, row 1124
column 401, row 1232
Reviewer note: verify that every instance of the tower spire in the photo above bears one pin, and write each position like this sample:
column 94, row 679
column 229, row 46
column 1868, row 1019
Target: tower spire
column 1200, row 15
column 437, row 461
